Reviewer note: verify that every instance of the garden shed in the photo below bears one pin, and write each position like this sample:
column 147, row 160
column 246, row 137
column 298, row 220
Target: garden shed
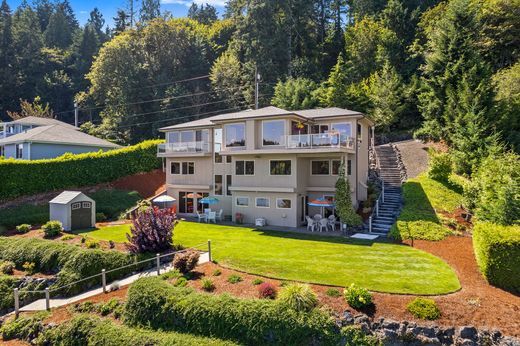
column 74, row 210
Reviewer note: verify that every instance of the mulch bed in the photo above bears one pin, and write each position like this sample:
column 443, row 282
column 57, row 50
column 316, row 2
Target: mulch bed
column 147, row 184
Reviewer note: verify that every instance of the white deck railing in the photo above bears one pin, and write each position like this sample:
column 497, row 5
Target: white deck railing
column 320, row 140
column 184, row 147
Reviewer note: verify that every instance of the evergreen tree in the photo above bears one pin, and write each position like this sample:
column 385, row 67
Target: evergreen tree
column 59, row 32
column 344, row 208
column 96, row 21
column 7, row 75
column 507, row 87
column 69, row 14
column 295, row 94
column 44, row 9
column 203, row 14
column 121, row 22
column 150, row 9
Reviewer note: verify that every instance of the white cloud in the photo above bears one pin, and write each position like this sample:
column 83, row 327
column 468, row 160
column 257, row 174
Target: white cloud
column 83, row 12
column 187, row 3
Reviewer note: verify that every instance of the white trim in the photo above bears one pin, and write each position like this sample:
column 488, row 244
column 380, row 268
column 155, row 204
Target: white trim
column 75, row 206
column 86, row 205
column 320, row 175
column 241, row 206
column 244, row 175
column 280, row 175
column 282, row 142
column 288, row 199
column 266, row 198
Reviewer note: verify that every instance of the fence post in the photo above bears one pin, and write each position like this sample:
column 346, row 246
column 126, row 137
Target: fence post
column 16, row 302
column 377, row 207
column 370, row 224
column 209, row 250
column 47, row 299
column 104, row 280
column 158, row 260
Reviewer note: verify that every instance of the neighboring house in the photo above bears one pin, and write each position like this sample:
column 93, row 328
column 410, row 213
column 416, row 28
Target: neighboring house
column 268, row 162
column 34, row 138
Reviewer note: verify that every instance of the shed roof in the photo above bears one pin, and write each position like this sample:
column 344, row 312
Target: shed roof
column 67, row 196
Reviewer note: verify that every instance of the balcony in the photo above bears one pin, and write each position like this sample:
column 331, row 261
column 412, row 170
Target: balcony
column 320, row 141
column 200, row 147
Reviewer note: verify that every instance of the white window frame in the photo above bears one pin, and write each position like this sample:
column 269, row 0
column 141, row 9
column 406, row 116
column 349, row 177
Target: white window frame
column 280, row 175
column 221, row 185
column 268, row 202
column 244, row 175
column 75, row 206
column 280, row 198
column 180, row 168
column 241, row 206
column 321, row 175
column 86, row 204
column 283, row 141
column 187, row 168
column 331, row 167
column 225, row 132
column 18, row 148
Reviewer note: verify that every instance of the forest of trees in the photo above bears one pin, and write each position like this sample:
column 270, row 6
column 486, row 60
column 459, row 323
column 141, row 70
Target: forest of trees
column 442, row 70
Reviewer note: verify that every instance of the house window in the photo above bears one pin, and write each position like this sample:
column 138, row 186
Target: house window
column 172, row 137
column 320, row 167
column 218, row 185
column 336, row 164
column 319, row 129
column 242, row 201
column 245, row 167
column 19, row 151
column 75, row 206
column 343, row 128
column 188, row 168
column 235, row 135
column 283, row 203
column 349, row 167
column 280, row 167
column 228, row 159
column 359, row 130
column 218, row 158
column 228, row 185
column 262, row 202
column 273, row 132
column 175, row 168
column 2, row 150
column 86, row 205
column 187, row 136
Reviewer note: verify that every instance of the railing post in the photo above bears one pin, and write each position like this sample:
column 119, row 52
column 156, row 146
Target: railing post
column 370, row 224
column 377, row 207
column 47, row 299
column 104, row 280
column 16, row 302
column 209, row 250
column 383, row 190
column 158, row 260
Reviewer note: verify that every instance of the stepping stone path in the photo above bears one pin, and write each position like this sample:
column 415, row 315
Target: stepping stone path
column 391, row 174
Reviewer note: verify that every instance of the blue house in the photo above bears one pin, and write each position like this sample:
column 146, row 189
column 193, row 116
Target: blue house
column 34, row 138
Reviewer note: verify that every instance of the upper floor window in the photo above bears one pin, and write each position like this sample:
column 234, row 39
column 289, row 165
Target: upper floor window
column 323, row 128
column 187, row 136
column 280, row 167
column 245, row 167
column 273, row 132
column 173, row 137
column 336, row 165
column 359, row 133
column 343, row 128
column 320, row 167
column 19, row 151
column 228, row 185
column 218, row 185
column 235, row 135
column 349, row 167
column 185, row 168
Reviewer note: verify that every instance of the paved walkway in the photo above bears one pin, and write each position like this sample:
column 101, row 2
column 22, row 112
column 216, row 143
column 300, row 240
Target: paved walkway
column 39, row 305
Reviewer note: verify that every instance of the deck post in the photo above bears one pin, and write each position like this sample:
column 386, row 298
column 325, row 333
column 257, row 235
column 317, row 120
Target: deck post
column 158, row 260
column 209, row 250
column 16, row 302
column 104, row 280
column 383, row 190
column 377, row 207
column 47, row 299
column 370, row 224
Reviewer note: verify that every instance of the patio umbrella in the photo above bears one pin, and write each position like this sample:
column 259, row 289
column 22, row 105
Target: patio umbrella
column 164, row 201
column 208, row 200
column 323, row 203
column 193, row 195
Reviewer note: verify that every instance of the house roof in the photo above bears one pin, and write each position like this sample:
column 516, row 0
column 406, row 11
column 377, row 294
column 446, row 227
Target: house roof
column 271, row 111
column 67, row 196
column 41, row 122
column 58, row 134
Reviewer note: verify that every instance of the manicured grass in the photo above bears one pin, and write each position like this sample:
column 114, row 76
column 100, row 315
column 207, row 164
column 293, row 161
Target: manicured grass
column 381, row 267
column 115, row 233
column 424, row 198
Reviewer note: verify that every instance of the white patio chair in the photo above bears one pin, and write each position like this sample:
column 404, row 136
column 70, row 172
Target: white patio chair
column 311, row 224
column 317, row 217
column 219, row 215
column 200, row 216
column 332, row 223
column 207, row 211
column 212, row 216
column 323, row 223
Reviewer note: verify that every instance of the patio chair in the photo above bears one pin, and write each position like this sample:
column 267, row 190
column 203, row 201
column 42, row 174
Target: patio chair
column 323, row 223
column 311, row 224
column 212, row 216
column 207, row 211
column 200, row 216
column 219, row 215
column 332, row 223
column 317, row 217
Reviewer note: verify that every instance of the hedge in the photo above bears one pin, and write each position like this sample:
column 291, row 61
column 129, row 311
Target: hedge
column 497, row 249
column 24, row 177
column 152, row 302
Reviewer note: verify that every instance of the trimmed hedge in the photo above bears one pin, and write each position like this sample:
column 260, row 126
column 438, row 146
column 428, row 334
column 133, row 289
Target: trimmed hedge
column 154, row 303
column 23, row 177
column 497, row 249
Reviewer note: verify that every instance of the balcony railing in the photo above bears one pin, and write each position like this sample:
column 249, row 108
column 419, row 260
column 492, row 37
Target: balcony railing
column 320, row 140
column 184, row 147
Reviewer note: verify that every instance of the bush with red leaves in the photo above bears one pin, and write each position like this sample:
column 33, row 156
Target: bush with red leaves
column 267, row 291
column 151, row 231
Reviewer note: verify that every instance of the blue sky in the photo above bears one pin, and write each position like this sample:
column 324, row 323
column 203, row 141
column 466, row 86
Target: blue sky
column 82, row 8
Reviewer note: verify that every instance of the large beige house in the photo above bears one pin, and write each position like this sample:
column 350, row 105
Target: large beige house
column 266, row 163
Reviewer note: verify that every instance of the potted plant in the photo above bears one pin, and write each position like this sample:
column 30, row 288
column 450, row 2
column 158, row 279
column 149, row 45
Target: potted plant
column 239, row 218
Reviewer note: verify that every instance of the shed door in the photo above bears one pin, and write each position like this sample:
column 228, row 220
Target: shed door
column 81, row 215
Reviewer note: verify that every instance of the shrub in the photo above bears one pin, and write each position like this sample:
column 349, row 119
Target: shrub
column 234, row 279
column 207, row 285
column 424, row 308
column 23, row 228
column 67, row 237
column 186, row 261
column 24, row 328
column 7, row 267
column 332, row 292
column 52, row 228
column 92, row 244
column 29, row 267
column 24, row 177
column 108, row 307
column 217, row 272
column 497, row 250
column 101, row 217
column 354, row 336
column 172, row 274
column 299, row 297
column 111, row 244
column 257, row 282
column 154, row 303
column 267, row 290
column 151, row 231
column 440, row 166
column 357, row 297
column 181, row 282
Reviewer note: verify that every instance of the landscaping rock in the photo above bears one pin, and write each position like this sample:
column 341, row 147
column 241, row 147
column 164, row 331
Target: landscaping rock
column 348, row 319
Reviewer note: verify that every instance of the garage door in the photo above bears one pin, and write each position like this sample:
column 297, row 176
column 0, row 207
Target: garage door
column 81, row 214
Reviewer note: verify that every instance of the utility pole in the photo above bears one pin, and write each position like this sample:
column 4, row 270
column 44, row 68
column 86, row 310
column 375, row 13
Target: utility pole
column 257, row 86
column 76, row 112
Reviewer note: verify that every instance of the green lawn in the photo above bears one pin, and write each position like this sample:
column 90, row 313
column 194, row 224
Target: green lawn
column 381, row 267
column 424, row 198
